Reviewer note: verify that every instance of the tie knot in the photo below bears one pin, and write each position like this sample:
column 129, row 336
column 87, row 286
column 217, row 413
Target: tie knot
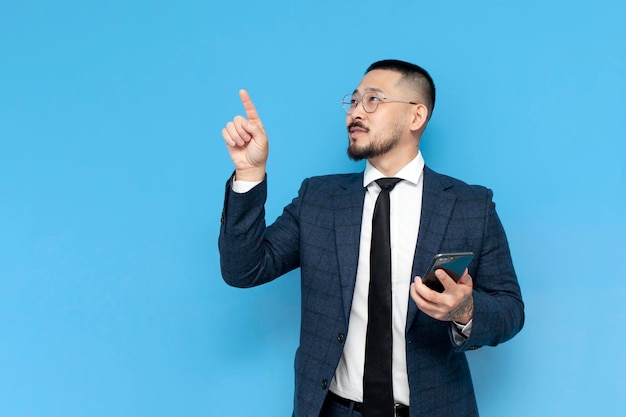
column 388, row 183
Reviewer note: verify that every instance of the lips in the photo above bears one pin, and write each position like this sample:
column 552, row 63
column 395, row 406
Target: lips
column 356, row 128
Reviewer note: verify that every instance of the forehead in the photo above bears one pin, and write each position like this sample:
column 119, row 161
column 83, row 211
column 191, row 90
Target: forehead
column 384, row 81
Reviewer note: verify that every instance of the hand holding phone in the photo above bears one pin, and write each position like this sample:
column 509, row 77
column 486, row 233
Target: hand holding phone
column 453, row 264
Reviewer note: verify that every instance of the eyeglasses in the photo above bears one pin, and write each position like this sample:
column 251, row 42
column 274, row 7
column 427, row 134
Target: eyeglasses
column 369, row 101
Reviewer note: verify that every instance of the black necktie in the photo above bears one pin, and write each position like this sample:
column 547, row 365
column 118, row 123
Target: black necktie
column 377, row 382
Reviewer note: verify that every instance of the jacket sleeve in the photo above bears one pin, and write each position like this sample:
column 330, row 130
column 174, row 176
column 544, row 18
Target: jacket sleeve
column 498, row 305
column 251, row 253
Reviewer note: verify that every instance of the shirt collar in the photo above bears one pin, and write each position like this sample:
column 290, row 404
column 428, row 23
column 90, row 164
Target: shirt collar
column 411, row 172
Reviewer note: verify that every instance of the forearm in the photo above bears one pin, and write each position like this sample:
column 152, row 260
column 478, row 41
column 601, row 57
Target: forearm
column 498, row 308
column 251, row 253
column 496, row 319
column 241, row 234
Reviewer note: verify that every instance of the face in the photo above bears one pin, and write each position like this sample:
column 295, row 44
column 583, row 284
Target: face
column 376, row 134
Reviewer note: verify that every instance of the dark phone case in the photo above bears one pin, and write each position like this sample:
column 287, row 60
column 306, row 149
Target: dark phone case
column 453, row 264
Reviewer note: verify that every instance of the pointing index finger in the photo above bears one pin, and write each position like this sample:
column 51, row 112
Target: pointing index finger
column 248, row 106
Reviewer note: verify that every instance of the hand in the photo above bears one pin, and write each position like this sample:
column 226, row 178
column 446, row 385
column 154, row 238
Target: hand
column 455, row 303
column 246, row 142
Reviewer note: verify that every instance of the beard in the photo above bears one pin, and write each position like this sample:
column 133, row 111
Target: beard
column 377, row 146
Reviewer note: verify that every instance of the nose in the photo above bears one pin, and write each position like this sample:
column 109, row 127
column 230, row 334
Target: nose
column 354, row 115
column 358, row 111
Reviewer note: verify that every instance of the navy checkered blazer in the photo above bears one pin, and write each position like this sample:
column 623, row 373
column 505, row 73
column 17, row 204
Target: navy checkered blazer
column 319, row 233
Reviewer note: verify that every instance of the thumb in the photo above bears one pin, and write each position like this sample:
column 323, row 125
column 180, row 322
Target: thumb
column 466, row 279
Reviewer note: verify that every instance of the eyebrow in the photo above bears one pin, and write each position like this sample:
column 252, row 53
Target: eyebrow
column 375, row 89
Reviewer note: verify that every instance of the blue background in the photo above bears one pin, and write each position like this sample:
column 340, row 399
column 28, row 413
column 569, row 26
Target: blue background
column 112, row 170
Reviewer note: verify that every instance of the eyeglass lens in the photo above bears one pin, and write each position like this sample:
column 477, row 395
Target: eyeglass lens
column 369, row 101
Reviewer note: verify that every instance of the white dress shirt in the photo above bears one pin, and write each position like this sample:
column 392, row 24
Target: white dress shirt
column 405, row 213
column 406, row 207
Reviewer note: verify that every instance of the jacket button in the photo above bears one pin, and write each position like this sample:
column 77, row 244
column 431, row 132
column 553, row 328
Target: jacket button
column 341, row 337
column 324, row 384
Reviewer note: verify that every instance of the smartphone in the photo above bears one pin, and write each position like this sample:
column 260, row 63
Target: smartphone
column 453, row 263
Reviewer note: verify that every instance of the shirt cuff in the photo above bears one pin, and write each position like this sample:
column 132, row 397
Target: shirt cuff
column 461, row 331
column 241, row 187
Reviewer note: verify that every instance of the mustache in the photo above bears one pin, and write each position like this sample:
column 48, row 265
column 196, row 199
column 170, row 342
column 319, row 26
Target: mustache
column 357, row 124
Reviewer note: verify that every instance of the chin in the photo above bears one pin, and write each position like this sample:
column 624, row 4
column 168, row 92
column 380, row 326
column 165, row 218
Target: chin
column 355, row 153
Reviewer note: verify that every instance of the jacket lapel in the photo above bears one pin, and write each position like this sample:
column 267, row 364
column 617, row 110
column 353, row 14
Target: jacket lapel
column 348, row 214
column 437, row 205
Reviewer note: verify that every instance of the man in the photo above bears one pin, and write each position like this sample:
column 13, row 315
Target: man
column 328, row 232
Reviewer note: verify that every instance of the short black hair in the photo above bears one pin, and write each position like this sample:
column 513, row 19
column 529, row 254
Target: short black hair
column 412, row 73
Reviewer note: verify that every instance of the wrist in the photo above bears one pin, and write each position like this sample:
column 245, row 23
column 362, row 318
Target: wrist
column 464, row 313
column 461, row 321
column 255, row 174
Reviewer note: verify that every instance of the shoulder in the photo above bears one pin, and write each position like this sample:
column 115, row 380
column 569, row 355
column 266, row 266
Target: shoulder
column 436, row 182
column 333, row 183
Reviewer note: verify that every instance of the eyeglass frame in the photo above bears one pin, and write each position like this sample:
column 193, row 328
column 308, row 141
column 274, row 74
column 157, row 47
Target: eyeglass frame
column 349, row 98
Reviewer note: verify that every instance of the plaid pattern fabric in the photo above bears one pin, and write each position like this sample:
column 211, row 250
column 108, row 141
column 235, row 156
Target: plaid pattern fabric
column 319, row 233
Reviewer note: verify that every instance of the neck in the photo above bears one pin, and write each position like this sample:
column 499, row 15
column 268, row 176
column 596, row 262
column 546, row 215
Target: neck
column 392, row 162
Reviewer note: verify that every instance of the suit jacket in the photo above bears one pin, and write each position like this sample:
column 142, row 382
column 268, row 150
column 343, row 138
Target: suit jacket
column 319, row 232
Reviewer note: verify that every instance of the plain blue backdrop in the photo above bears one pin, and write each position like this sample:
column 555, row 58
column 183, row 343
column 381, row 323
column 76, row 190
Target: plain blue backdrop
column 112, row 170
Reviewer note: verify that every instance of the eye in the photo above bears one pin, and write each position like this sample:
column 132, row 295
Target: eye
column 372, row 99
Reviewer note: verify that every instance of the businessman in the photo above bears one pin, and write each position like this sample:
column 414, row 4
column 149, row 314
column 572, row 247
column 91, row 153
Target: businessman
column 375, row 341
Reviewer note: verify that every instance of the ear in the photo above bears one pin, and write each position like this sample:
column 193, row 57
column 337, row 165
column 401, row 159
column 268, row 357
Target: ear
column 420, row 117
